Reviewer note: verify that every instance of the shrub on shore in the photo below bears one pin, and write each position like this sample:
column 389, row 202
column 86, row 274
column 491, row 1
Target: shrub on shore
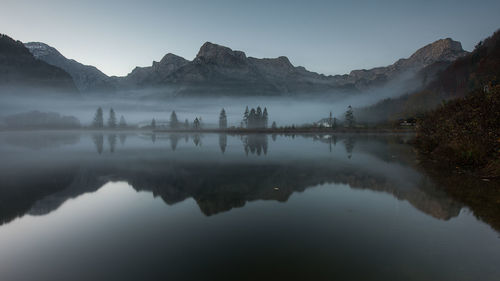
column 465, row 132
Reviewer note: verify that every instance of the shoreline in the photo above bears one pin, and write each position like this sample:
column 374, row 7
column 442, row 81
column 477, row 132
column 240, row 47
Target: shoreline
column 227, row 131
column 287, row 131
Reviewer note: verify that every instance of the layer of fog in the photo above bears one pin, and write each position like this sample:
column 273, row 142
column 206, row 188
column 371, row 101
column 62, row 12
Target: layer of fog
column 139, row 107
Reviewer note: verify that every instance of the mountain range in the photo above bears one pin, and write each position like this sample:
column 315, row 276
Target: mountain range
column 219, row 70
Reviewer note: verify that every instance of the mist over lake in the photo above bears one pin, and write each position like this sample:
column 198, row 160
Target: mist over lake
column 249, row 140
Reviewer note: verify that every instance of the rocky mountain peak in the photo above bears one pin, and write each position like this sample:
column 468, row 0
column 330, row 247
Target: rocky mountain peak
column 40, row 50
column 443, row 50
column 440, row 50
column 216, row 54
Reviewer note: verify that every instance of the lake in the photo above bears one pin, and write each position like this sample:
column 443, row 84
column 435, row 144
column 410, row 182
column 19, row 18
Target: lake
column 142, row 206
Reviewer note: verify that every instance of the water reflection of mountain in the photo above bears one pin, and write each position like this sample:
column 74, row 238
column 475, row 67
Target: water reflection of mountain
column 216, row 185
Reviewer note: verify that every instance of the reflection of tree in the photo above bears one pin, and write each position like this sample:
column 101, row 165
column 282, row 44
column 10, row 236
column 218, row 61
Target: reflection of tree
column 274, row 137
column 123, row 138
column 98, row 142
column 349, row 146
column 186, row 138
column 256, row 144
column 222, row 142
column 112, row 142
column 174, row 139
column 197, row 140
column 153, row 137
column 332, row 140
column 215, row 186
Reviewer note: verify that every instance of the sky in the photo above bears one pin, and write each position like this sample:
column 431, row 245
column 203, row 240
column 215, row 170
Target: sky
column 329, row 37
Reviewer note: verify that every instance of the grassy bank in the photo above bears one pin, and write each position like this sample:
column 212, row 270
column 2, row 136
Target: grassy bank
column 464, row 133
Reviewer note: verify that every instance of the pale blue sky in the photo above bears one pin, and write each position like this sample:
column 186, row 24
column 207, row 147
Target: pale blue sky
column 330, row 37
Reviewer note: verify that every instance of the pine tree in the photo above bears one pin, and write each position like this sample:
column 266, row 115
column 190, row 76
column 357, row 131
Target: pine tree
column 349, row 117
column 153, row 124
column 264, row 118
column 112, row 119
column 196, row 123
column 273, row 126
column 258, row 117
column 252, row 117
column 174, row 122
column 186, row 124
column 222, row 119
column 98, row 122
column 123, row 123
column 245, row 117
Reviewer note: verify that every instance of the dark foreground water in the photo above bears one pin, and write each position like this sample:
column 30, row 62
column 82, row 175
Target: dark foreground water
column 91, row 206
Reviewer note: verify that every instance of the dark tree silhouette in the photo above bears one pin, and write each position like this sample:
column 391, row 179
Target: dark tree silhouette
column 98, row 122
column 123, row 138
column 349, row 117
column 174, row 139
column 274, row 126
column 186, row 124
column 197, row 140
column 112, row 119
column 153, row 124
column 223, row 142
column 222, row 119
column 349, row 146
column 174, row 122
column 255, row 144
column 257, row 118
column 264, row 118
column 252, row 119
column 99, row 142
column 196, row 123
column 123, row 123
column 245, row 117
column 112, row 142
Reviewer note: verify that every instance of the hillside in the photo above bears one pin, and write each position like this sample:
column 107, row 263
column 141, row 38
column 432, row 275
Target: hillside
column 19, row 70
column 87, row 78
column 465, row 132
column 469, row 73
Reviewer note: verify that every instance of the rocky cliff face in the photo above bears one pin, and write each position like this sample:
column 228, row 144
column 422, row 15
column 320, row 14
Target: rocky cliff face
column 20, row 71
column 87, row 78
column 219, row 70
column 153, row 75
column 443, row 50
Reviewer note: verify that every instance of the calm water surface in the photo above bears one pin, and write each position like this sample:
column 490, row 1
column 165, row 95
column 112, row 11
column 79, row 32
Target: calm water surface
column 93, row 206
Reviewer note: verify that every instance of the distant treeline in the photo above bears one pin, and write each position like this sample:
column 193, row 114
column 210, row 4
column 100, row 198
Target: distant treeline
column 39, row 120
